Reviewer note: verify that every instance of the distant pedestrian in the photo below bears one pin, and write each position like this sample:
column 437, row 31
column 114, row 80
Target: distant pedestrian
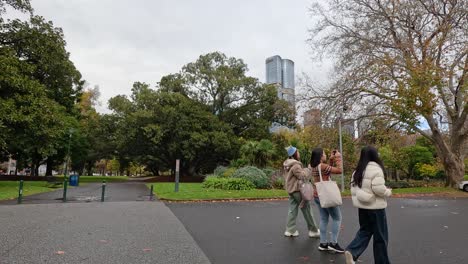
column 318, row 163
column 369, row 194
column 294, row 174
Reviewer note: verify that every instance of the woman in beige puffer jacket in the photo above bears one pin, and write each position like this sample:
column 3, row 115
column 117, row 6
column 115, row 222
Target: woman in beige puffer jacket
column 369, row 194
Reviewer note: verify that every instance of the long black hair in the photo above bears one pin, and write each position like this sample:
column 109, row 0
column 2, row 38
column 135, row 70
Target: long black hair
column 316, row 157
column 368, row 154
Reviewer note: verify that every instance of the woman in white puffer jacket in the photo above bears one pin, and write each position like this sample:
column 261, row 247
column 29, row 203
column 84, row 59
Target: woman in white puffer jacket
column 369, row 194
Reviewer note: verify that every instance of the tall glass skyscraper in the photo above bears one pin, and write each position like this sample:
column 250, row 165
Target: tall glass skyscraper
column 273, row 70
column 287, row 71
column 281, row 72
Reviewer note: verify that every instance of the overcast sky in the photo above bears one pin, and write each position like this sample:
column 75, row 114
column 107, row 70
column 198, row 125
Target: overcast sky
column 114, row 43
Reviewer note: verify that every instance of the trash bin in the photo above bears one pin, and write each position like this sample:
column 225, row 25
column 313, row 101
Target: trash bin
column 74, row 180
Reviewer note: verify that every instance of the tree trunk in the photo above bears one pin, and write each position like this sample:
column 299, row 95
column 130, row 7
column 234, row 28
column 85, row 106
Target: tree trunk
column 36, row 170
column 454, row 169
column 49, row 165
column 452, row 158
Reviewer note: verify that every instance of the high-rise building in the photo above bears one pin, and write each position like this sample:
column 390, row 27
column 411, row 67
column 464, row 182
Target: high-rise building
column 287, row 71
column 281, row 72
column 273, row 70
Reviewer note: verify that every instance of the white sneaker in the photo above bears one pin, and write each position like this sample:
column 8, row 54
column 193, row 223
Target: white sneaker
column 289, row 234
column 314, row 234
column 349, row 258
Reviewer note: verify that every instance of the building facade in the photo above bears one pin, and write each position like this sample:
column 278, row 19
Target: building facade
column 281, row 72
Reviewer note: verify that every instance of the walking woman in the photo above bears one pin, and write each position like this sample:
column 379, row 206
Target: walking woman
column 295, row 173
column 369, row 194
column 318, row 162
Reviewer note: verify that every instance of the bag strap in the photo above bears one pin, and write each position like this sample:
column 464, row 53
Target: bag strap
column 320, row 172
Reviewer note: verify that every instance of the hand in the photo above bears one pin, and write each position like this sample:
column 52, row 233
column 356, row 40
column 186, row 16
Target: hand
column 335, row 155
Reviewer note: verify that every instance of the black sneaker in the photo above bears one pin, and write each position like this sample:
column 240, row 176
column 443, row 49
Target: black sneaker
column 323, row 247
column 335, row 247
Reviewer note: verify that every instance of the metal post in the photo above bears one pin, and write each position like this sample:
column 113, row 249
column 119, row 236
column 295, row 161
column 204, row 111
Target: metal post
column 151, row 193
column 341, row 151
column 177, row 175
column 68, row 153
column 103, row 190
column 20, row 192
column 65, row 184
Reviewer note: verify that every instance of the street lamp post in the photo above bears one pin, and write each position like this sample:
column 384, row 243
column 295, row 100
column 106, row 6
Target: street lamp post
column 341, row 151
column 341, row 146
column 68, row 153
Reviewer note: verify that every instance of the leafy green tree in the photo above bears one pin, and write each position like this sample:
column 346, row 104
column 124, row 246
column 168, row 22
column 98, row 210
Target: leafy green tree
column 413, row 155
column 220, row 83
column 20, row 5
column 258, row 153
column 34, row 124
column 161, row 127
column 38, row 91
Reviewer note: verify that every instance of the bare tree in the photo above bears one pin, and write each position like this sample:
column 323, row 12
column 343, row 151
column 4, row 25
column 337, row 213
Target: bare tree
column 404, row 60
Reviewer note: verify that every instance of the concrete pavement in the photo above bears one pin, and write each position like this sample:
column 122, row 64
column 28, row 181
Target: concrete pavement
column 117, row 232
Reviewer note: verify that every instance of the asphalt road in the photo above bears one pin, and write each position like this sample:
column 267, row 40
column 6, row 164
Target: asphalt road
column 116, row 232
column 421, row 231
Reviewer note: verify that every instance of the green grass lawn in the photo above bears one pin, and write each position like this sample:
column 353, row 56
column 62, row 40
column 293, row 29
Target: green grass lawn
column 420, row 190
column 84, row 179
column 194, row 191
column 9, row 189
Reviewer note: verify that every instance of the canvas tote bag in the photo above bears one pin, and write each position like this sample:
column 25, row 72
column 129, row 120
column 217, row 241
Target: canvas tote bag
column 328, row 192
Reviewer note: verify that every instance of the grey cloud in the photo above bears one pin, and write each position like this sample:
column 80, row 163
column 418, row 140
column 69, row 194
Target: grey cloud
column 114, row 43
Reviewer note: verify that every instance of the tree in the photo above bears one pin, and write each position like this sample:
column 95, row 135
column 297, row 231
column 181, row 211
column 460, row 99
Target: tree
column 34, row 124
column 40, row 86
column 413, row 155
column 403, row 61
column 20, row 5
column 157, row 127
column 39, row 43
column 258, row 153
column 220, row 83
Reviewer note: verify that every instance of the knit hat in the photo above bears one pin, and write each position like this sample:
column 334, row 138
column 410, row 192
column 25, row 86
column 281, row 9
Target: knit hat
column 291, row 150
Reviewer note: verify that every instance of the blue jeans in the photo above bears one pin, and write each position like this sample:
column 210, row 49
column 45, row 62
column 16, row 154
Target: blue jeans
column 325, row 214
column 372, row 223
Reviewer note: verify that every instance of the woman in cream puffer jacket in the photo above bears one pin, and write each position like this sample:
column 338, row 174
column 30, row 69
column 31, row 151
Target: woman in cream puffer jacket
column 369, row 194
column 373, row 193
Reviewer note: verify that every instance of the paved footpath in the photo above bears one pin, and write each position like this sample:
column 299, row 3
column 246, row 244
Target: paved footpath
column 91, row 192
column 111, row 232
column 421, row 231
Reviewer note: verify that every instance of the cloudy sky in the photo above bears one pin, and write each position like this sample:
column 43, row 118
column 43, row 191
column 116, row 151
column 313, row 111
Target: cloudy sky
column 117, row 42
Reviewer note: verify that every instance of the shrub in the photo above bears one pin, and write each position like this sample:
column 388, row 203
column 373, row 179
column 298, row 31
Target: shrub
column 238, row 163
column 219, row 171
column 427, row 170
column 254, row 175
column 397, row 185
column 269, row 172
column 278, row 183
column 228, row 173
column 227, row 183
